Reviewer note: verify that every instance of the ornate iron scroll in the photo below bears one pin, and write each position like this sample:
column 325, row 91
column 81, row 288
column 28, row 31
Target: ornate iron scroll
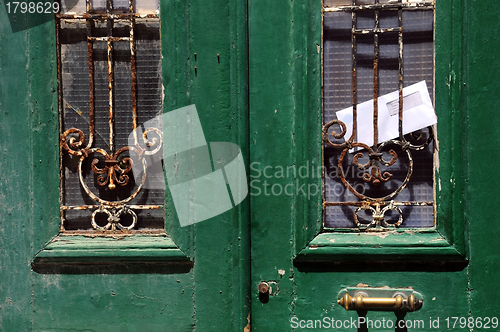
column 114, row 172
column 111, row 168
column 369, row 160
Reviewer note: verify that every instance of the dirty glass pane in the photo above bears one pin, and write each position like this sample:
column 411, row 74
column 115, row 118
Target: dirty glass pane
column 147, row 6
column 119, row 6
column 418, row 64
column 106, row 68
column 73, row 7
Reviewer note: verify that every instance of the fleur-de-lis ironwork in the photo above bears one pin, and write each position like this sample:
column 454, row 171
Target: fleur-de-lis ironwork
column 376, row 171
column 377, row 205
column 115, row 169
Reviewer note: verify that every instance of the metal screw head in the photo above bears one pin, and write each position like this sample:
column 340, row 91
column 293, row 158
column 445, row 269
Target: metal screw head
column 263, row 287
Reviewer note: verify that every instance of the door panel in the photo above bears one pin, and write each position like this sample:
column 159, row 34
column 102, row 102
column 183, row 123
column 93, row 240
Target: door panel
column 306, row 268
column 481, row 89
column 204, row 63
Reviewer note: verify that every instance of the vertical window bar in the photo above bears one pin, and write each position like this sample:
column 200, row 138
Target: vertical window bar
column 90, row 50
column 375, row 79
column 109, row 8
column 354, row 77
column 133, row 71
column 400, row 71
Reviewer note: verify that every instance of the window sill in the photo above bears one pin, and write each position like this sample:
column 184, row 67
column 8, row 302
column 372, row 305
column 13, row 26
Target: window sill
column 73, row 250
column 380, row 247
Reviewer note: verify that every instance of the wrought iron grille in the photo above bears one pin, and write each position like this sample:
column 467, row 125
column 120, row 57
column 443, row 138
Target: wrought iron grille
column 109, row 67
column 371, row 48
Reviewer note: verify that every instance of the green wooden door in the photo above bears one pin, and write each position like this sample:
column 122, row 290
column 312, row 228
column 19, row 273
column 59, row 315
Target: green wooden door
column 303, row 267
column 127, row 284
column 264, row 94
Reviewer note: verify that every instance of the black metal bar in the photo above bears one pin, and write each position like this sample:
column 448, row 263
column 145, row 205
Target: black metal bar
column 376, row 52
column 381, row 203
column 392, row 6
column 133, row 72
column 354, row 78
column 109, row 8
column 114, row 39
column 90, row 51
column 400, row 73
column 376, row 30
column 92, row 207
column 105, row 16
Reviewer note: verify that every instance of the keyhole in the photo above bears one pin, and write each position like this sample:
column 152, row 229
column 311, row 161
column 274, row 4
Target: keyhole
column 264, row 290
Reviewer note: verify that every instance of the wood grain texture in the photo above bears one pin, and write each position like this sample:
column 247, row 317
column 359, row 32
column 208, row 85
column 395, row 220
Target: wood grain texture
column 131, row 296
column 482, row 86
column 285, row 123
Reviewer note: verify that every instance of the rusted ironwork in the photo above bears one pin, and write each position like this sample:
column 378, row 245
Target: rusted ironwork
column 378, row 206
column 375, row 30
column 109, row 23
column 112, row 169
column 119, row 233
column 105, row 16
column 133, row 75
column 131, row 6
column 90, row 50
column 400, row 74
column 354, row 52
column 110, row 39
column 92, row 207
column 375, row 82
column 391, row 6
column 378, row 215
column 381, row 203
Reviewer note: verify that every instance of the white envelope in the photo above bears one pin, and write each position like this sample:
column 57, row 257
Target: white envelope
column 418, row 113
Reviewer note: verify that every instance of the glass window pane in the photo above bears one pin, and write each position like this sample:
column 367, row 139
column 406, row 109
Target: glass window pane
column 106, row 69
column 352, row 199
